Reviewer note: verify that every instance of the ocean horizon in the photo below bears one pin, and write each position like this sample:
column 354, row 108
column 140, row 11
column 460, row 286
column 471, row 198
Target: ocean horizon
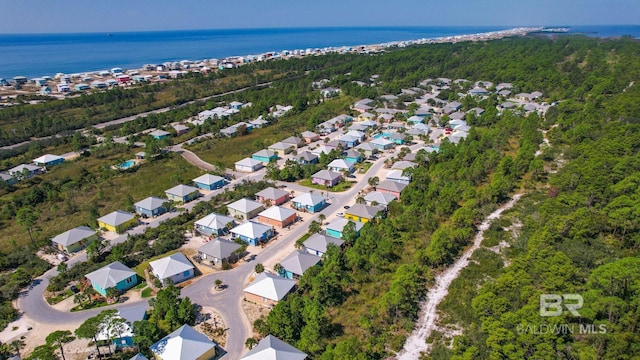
column 36, row 55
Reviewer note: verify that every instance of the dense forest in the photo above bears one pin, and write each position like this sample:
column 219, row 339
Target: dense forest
column 578, row 219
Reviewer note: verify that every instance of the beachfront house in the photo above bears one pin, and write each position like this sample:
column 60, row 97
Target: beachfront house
column 185, row 344
column 218, row 250
column 326, row 177
column 336, row 227
column 272, row 348
column 209, row 182
column 265, row 156
column 317, row 243
column 272, row 196
column 252, row 233
column 48, row 160
column 245, row 209
column 214, row 224
column 117, row 221
column 115, row 275
column 278, row 216
column 309, row 202
column 267, row 289
column 248, row 165
column 296, row 263
column 174, row 268
column 151, row 206
column 75, row 239
column 182, row 193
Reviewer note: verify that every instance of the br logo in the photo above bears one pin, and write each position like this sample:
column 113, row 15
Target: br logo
column 551, row 304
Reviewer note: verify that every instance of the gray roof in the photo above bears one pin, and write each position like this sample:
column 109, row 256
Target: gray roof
column 403, row 164
column 271, row 193
column 327, row 175
column 133, row 314
column 352, row 153
column 278, row 213
column 339, row 223
column 320, row 242
column 248, row 162
column 219, row 248
column 139, row 356
column 366, row 147
column 159, row 133
column 309, row 134
column 272, row 348
column 380, row 198
column 245, row 205
column 251, row 229
column 108, row 276
column 183, row 344
column 47, row 158
column 208, row 179
column 265, row 153
column 21, row 167
column 116, row 218
column 214, row 221
column 270, row 286
column 181, row 190
column 280, row 146
column 171, row 265
column 338, row 164
column 150, row 203
column 391, row 186
column 73, row 236
column 298, row 262
column 308, row 199
column 293, row 140
column 364, row 211
column 306, row 155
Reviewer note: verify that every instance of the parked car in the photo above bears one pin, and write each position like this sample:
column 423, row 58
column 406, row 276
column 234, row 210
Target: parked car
column 340, row 214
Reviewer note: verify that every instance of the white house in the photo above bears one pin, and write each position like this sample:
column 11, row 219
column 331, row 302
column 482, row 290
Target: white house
column 175, row 268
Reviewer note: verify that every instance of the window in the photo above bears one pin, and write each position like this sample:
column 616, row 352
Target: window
column 186, row 273
column 129, row 280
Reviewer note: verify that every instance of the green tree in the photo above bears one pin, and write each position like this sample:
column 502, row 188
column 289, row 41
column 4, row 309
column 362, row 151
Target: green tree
column 27, row 218
column 90, row 329
column 59, row 338
column 259, row 268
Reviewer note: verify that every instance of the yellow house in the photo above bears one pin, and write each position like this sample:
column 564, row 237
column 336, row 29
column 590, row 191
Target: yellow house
column 362, row 213
column 117, row 221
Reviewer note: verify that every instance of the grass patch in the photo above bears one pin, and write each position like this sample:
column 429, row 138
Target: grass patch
column 56, row 299
column 146, row 292
column 343, row 186
column 145, row 264
column 141, row 285
column 93, row 305
column 363, row 167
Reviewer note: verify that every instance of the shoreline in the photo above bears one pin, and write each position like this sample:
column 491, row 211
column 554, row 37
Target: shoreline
column 287, row 54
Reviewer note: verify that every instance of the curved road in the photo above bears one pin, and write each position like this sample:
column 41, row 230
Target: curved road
column 227, row 302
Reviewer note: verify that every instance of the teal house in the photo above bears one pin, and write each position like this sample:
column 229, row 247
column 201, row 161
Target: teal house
column 353, row 156
column 114, row 275
column 336, row 227
column 209, row 182
column 159, row 134
column 265, row 156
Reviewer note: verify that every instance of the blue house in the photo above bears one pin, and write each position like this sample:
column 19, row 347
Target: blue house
column 214, row 224
column 151, row 206
column 309, row 202
column 336, row 226
column 252, row 233
column 381, row 143
column 353, row 156
column 209, row 182
column 294, row 265
column 114, row 275
column 48, row 160
column 10, row 180
column 265, row 156
column 159, row 134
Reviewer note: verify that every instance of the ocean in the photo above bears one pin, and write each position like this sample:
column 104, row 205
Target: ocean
column 35, row 55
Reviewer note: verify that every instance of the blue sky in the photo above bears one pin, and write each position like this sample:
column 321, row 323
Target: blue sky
column 58, row 16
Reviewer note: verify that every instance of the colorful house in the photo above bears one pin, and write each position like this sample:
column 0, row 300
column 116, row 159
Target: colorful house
column 245, row 209
column 10, row 180
column 25, row 171
column 117, row 221
column 336, row 227
column 265, row 156
column 209, row 182
column 160, row 134
column 114, row 275
column 381, row 143
column 296, row 263
column 272, row 196
column 310, row 136
column 397, row 176
column 174, row 268
column 252, row 233
column 368, row 149
column 121, row 336
column 326, row 177
column 48, row 160
column 182, row 193
column 248, row 165
column 306, row 157
column 278, row 216
column 363, row 213
column 151, row 206
column 217, row 251
column 391, row 187
column 317, row 243
column 272, row 348
column 293, row 141
column 281, row 148
column 378, row 198
column 339, row 166
column 353, row 156
column 185, row 344
column 214, row 224
column 267, row 289
column 309, row 202
column 75, row 239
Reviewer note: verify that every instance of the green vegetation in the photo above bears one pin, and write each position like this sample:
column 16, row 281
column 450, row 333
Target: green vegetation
column 341, row 186
column 147, row 292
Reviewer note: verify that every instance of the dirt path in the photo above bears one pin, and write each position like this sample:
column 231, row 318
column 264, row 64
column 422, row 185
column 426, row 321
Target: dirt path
column 416, row 342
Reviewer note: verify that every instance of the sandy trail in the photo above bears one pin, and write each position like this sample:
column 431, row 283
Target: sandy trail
column 416, row 342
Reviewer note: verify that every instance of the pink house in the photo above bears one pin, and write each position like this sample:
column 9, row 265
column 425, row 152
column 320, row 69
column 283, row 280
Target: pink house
column 272, row 196
column 326, row 177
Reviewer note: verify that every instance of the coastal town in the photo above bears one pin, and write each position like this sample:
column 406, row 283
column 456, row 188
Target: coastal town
column 238, row 264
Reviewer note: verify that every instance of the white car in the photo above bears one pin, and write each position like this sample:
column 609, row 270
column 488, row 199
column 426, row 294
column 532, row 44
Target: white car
column 340, row 214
